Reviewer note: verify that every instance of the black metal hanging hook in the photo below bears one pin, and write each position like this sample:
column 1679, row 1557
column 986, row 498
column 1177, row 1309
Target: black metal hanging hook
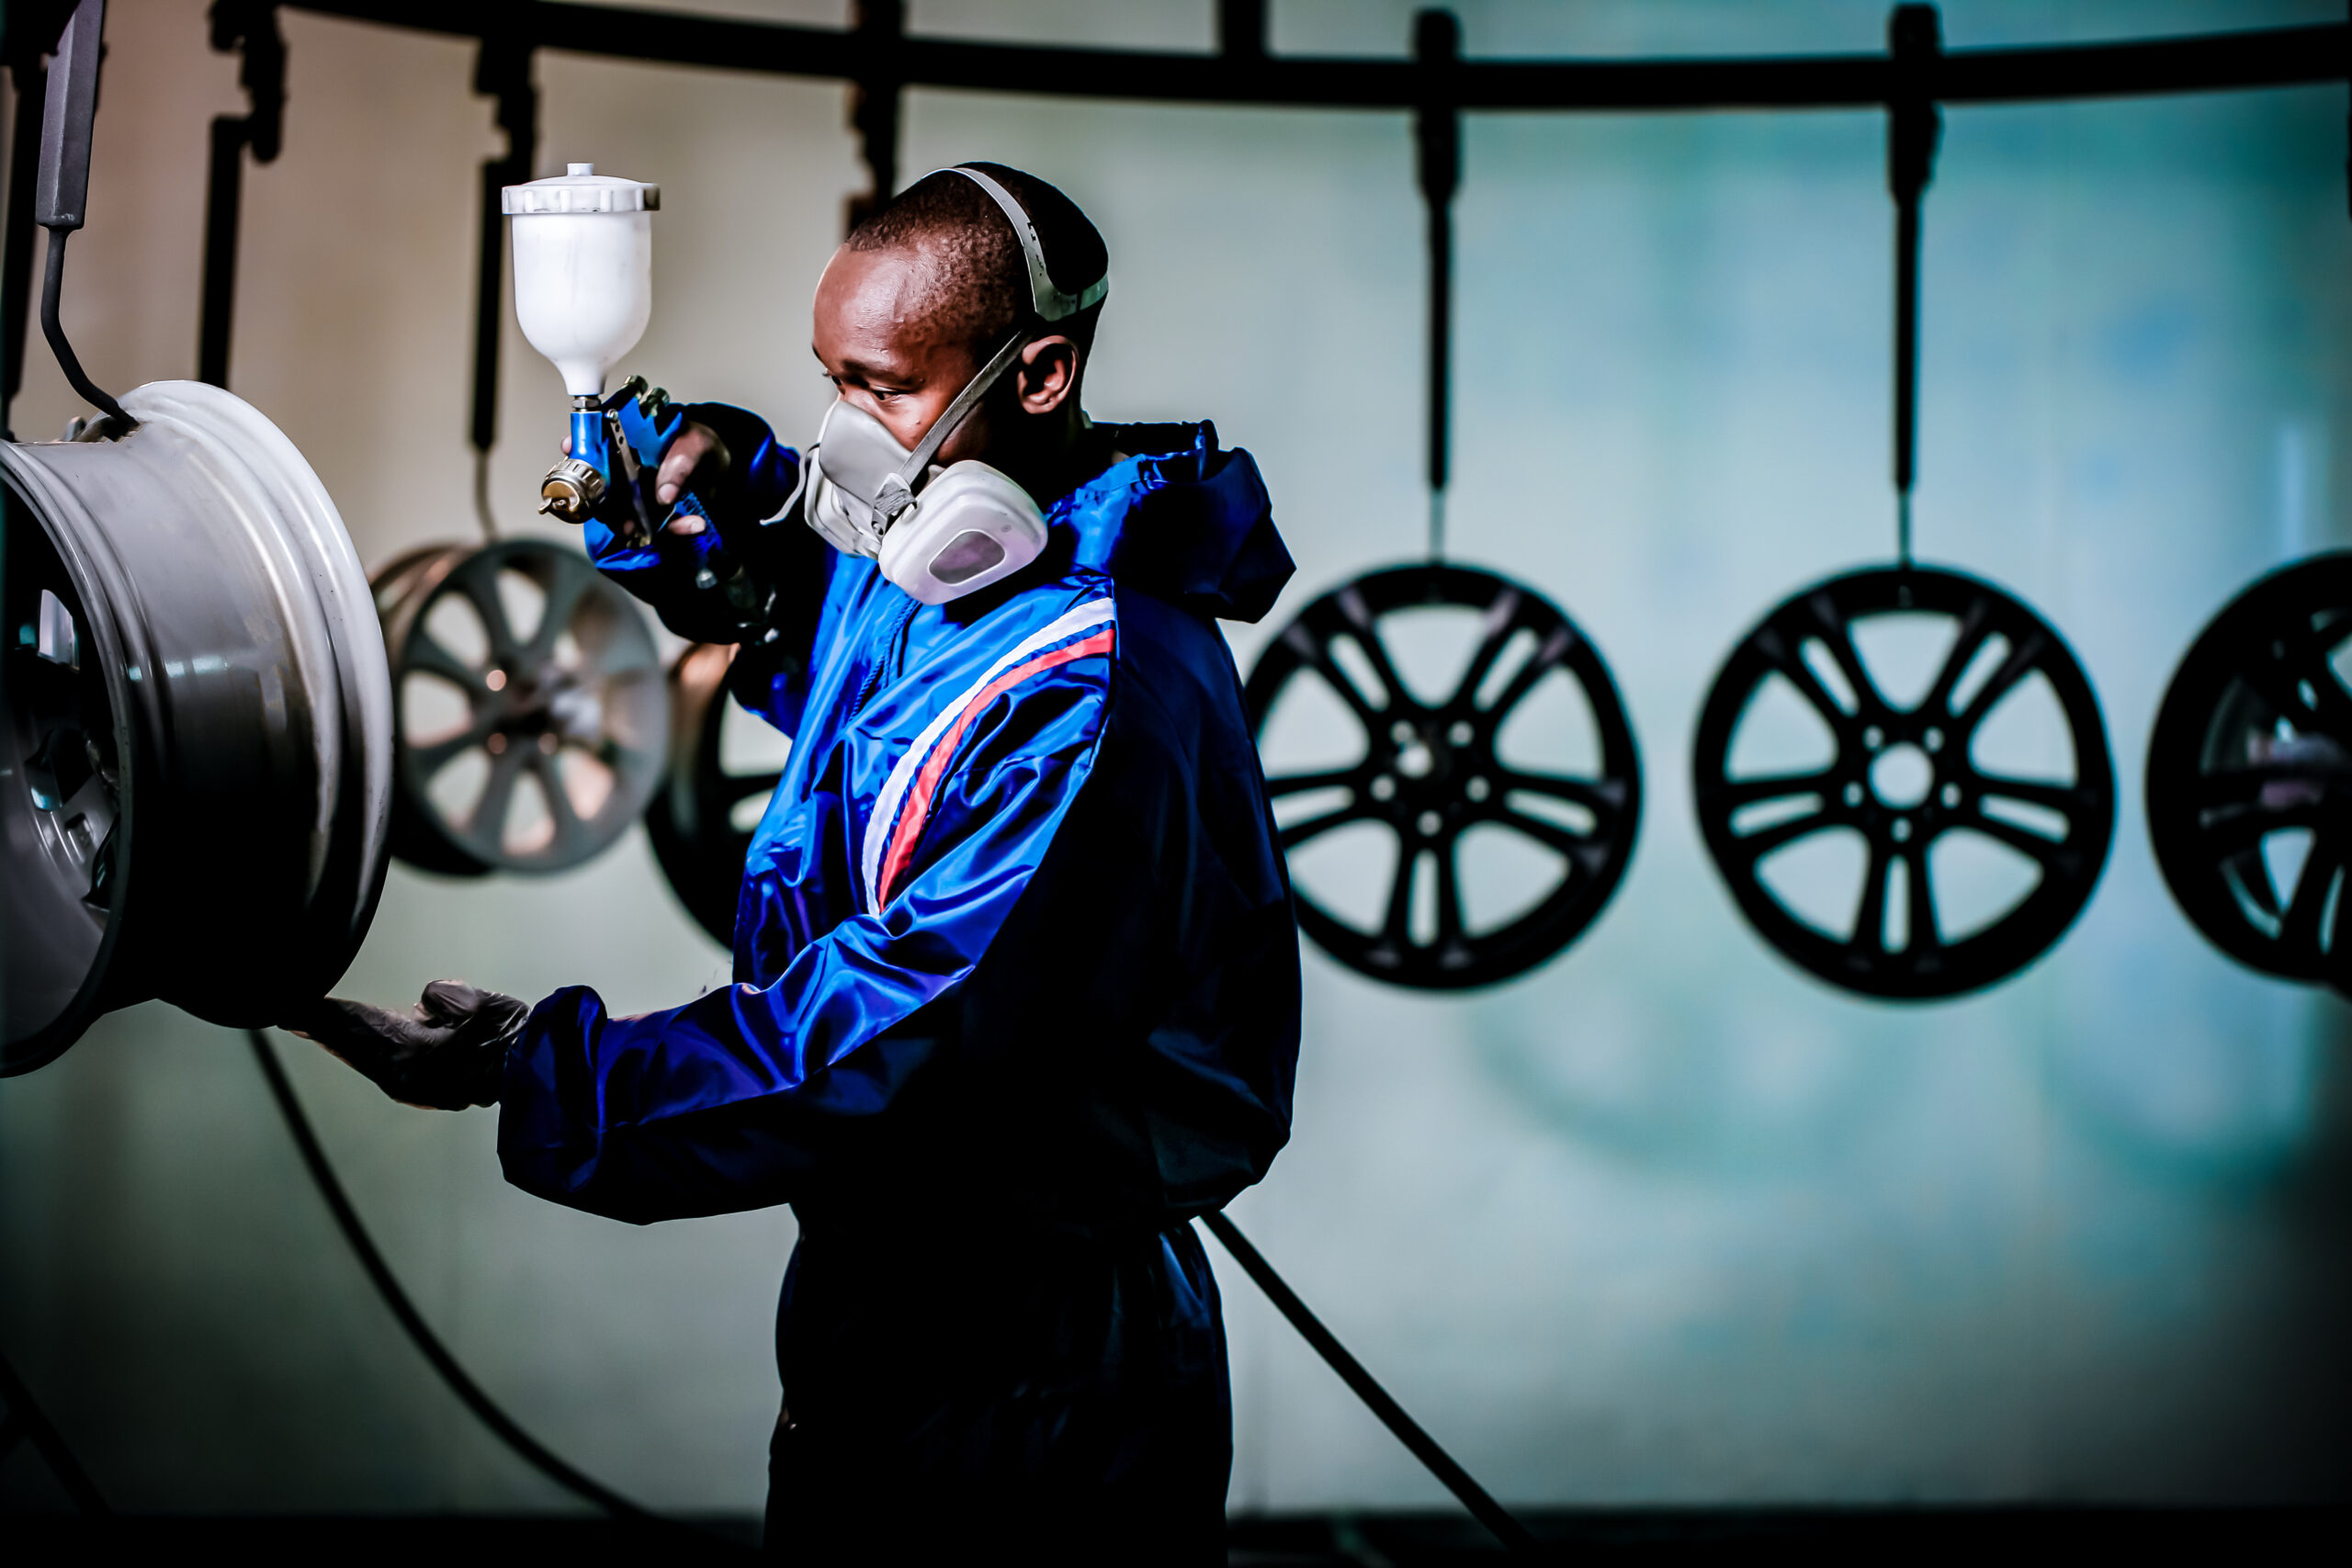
column 502, row 70
column 62, row 185
column 31, row 79
column 875, row 100
column 250, row 27
column 1437, row 128
column 1914, row 126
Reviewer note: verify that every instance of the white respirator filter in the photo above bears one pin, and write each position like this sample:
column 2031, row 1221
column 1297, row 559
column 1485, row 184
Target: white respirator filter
column 969, row 525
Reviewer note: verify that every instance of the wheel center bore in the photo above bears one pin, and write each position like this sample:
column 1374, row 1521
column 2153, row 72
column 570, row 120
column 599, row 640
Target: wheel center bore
column 1902, row 775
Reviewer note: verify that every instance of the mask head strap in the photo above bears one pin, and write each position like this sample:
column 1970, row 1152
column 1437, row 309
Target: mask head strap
column 1050, row 303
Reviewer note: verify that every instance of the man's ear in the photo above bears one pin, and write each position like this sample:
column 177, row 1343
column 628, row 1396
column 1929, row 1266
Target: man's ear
column 1048, row 374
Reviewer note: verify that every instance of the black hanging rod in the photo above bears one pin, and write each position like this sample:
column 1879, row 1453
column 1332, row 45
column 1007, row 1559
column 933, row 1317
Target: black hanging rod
column 2275, row 57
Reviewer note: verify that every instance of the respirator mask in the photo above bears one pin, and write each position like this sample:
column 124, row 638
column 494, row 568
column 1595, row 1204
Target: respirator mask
column 938, row 532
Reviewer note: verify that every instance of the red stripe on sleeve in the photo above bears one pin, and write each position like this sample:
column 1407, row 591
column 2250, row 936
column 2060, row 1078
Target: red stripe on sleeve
column 916, row 813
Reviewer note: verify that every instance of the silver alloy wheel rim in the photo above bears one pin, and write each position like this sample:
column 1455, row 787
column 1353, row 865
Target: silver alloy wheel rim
column 573, row 701
column 225, row 649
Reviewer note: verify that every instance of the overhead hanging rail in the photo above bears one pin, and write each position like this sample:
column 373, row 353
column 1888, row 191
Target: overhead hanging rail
column 1243, row 73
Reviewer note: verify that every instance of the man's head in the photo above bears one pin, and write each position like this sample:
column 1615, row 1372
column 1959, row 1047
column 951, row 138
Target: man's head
column 925, row 290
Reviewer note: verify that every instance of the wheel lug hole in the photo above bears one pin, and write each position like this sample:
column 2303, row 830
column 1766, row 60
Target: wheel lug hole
column 496, row 744
column 1853, row 794
column 1384, row 788
column 1428, row 823
column 1461, row 734
column 1901, row 830
column 1951, row 794
column 1477, row 789
column 1933, row 739
column 1401, row 733
column 1873, row 738
column 495, row 680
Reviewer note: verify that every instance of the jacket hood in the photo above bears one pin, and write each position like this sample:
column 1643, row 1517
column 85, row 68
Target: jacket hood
column 1184, row 521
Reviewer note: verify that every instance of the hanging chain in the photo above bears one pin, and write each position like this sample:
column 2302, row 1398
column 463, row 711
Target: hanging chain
column 1437, row 47
column 1914, row 125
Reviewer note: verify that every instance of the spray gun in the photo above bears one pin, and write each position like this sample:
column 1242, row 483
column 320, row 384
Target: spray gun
column 583, row 291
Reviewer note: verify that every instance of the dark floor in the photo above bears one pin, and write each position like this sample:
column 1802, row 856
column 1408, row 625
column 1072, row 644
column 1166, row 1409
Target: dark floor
column 1358, row 1540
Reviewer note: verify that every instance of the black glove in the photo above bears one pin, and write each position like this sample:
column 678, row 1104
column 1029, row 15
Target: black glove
column 445, row 1054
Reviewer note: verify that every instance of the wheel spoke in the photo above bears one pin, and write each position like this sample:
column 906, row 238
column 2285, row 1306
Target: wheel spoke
column 1318, row 657
column 1547, row 657
column 481, row 589
column 1603, row 797
column 1869, row 920
column 1737, row 792
column 1975, row 629
column 1300, row 783
column 1792, row 668
column 1366, row 630
column 1449, row 897
column 1298, row 833
column 1837, row 635
column 563, row 596
column 1924, row 930
column 1396, row 925
column 488, row 817
column 569, row 829
column 1501, row 623
column 2022, row 658
column 427, row 654
column 2069, row 800
column 1753, row 847
column 1586, row 852
column 430, row 760
column 2246, row 786
column 2299, row 929
column 2237, row 831
column 2044, row 851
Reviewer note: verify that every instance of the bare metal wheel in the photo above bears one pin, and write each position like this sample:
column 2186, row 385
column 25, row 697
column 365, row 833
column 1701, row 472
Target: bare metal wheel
column 531, row 716
column 2250, row 775
column 196, row 766
column 1424, row 774
column 1903, row 777
column 702, row 822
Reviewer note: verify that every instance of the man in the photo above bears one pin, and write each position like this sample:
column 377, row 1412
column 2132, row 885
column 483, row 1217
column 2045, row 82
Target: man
column 1016, row 981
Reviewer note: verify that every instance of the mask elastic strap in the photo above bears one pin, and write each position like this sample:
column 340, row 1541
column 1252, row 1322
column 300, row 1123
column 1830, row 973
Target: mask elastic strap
column 1051, row 303
column 898, row 491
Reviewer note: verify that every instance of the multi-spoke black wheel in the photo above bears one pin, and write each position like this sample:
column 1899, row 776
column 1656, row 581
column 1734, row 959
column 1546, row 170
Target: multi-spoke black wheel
column 1907, row 781
column 1429, row 772
column 531, row 716
column 2250, row 775
column 701, row 821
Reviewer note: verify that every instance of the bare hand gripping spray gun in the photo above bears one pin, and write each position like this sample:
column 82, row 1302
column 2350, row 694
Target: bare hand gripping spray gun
column 583, row 291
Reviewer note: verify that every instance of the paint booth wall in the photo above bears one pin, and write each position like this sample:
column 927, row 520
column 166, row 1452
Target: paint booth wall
column 1664, row 1221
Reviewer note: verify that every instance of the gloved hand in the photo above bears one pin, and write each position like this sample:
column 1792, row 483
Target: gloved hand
column 445, row 1054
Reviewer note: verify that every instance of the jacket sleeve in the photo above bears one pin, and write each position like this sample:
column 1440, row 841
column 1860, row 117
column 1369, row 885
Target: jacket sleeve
column 733, row 1101
column 685, row 578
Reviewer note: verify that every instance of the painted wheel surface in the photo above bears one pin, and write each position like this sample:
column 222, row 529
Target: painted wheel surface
column 1424, row 772
column 698, row 823
column 196, row 747
column 2250, row 775
column 531, row 713
column 1903, row 777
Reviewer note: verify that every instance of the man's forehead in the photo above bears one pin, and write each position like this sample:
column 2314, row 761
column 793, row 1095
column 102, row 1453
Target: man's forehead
column 902, row 282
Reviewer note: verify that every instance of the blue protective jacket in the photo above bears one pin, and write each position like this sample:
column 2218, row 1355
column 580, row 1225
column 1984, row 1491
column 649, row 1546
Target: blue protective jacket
column 1016, row 988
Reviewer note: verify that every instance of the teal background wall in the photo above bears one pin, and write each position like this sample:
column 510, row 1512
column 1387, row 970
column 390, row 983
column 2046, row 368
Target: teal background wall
column 1666, row 1221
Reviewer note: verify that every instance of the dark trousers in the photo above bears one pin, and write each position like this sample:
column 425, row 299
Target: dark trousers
column 1036, row 1404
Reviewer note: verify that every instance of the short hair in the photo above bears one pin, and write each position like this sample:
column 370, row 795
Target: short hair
column 984, row 292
